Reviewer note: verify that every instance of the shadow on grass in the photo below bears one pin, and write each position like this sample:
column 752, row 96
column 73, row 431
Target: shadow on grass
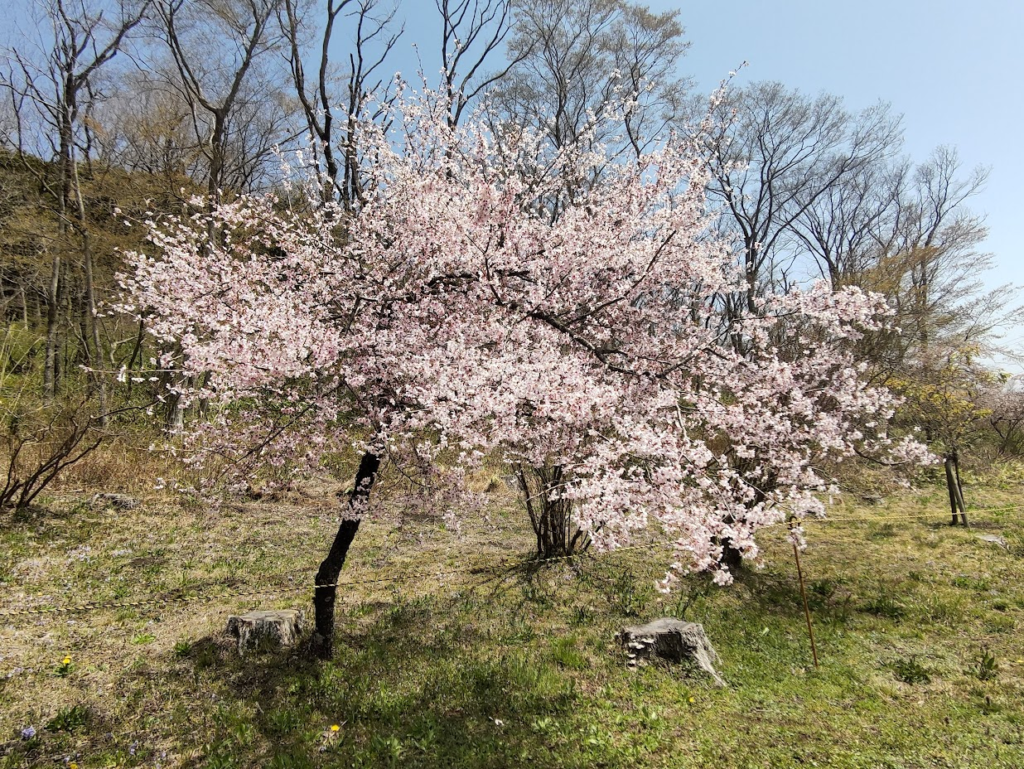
column 772, row 592
column 34, row 516
column 420, row 683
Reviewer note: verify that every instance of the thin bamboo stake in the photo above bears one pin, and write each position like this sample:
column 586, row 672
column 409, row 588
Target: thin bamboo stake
column 807, row 609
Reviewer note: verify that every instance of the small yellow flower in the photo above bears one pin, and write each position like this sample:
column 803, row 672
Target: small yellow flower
column 66, row 661
column 335, row 728
column 72, row 765
column 693, row 700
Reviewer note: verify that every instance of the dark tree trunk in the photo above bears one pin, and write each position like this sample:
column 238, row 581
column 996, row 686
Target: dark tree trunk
column 960, row 488
column 91, row 331
column 550, row 513
column 327, row 576
column 50, row 365
column 956, row 498
column 950, row 486
column 731, row 556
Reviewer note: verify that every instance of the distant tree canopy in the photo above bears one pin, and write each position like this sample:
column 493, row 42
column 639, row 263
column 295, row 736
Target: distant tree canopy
column 135, row 105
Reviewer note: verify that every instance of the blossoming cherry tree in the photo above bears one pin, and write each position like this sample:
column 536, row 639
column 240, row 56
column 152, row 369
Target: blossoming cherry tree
column 561, row 310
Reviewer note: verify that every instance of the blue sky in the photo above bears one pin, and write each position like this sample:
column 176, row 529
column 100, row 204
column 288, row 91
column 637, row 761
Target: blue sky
column 951, row 68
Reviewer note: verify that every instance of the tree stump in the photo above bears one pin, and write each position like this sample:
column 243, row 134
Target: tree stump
column 118, row 501
column 997, row 541
column 263, row 630
column 673, row 640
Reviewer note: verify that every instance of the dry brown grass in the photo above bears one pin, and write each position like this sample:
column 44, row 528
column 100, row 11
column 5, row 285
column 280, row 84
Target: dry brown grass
column 421, row 625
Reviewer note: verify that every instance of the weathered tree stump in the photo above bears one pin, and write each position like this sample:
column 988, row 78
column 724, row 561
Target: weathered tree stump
column 262, row 630
column 118, row 501
column 673, row 640
column 997, row 541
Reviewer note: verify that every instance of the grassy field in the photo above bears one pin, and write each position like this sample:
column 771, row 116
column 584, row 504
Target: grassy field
column 460, row 653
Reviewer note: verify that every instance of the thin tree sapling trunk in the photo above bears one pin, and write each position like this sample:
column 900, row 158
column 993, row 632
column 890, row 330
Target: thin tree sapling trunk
column 52, row 320
column 91, row 341
column 959, row 488
column 956, row 500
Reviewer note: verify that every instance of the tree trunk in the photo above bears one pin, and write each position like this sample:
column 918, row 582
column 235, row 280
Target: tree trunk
column 91, row 341
column 959, row 488
column 136, row 355
column 52, row 320
column 550, row 513
column 174, row 414
column 956, row 500
column 175, row 411
column 96, row 355
column 731, row 556
column 53, row 370
column 64, row 315
column 327, row 576
column 215, row 182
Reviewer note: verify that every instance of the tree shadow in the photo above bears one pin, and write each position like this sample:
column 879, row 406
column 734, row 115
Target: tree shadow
column 421, row 682
column 778, row 595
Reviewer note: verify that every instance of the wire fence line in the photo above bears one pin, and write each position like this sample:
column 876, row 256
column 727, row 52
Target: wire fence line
column 184, row 594
column 924, row 516
column 178, row 595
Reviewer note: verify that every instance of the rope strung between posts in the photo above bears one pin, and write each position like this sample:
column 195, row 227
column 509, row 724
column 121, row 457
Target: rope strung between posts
column 174, row 596
column 177, row 596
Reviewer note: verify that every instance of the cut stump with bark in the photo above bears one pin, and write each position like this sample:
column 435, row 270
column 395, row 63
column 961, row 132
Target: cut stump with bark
column 117, row 501
column 673, row 640
column 264, row 630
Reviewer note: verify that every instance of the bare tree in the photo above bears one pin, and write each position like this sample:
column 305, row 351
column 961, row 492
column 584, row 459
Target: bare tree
column 904, row 231
column 373, row 40
column 472, row 31
column 838, row 230
column 221, row 52
column 571, row 59
column 146, row 126
column 333, row 98
column 225, row 63
column 776, row 155
column 646, row 48
column 935, row 240
column 49, row 89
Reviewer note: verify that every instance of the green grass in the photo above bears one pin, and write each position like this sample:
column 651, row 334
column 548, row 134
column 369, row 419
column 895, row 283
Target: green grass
column 917, row 627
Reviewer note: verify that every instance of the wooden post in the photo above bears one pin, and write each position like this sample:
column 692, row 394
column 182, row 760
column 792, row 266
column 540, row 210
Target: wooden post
column 956, row 500
column 959, row 488
column 807, row 609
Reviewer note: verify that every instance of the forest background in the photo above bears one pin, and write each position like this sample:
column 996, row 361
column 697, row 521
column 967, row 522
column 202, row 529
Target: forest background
column 118, row 119
column 117, row 114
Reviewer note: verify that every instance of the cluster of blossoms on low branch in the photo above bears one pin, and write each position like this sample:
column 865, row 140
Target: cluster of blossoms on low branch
column 559, row 308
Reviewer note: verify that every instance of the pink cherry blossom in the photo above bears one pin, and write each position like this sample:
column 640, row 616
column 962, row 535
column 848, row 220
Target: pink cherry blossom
column 494, row 297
